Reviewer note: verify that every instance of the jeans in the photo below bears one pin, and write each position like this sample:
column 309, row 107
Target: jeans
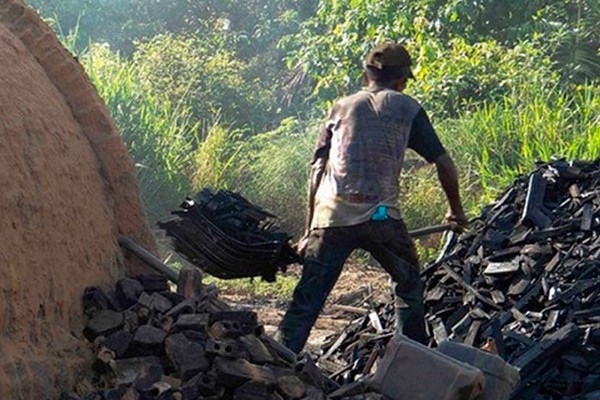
column 327, row 251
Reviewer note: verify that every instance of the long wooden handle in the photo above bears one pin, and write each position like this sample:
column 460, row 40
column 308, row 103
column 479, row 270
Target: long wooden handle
column 430, row 229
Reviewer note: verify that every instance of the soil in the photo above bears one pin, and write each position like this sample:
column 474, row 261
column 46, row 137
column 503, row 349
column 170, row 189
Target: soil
column 359, row 286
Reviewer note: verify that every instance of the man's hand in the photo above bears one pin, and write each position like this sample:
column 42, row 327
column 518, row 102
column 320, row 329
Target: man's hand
column 302, row 244
column 458, row 220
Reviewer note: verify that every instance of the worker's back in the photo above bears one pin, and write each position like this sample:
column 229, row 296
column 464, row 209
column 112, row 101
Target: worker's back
column 369, row 132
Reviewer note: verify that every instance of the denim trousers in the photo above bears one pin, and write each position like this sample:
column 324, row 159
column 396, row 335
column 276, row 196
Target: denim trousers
column 327, row 251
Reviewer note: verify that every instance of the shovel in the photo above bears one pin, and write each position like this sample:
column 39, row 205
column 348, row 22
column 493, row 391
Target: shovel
column 171, row 274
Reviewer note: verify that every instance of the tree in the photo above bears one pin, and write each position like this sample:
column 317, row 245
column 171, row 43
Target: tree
column 331, row 45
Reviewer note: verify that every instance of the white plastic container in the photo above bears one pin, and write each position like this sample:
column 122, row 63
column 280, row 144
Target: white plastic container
column 411, row 371
column 500, row 377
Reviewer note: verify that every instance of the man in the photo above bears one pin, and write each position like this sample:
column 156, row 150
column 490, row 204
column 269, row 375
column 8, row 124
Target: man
column 353, row 195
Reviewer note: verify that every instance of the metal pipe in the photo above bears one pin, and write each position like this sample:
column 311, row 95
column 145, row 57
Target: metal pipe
column 148, row 258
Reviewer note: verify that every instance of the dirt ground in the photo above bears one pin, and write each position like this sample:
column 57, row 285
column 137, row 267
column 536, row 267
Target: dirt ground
column 359, row 287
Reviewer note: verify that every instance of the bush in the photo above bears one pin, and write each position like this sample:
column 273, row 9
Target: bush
column 455, row 77
column 278, row 171
column 207, row 72
column 159, row 133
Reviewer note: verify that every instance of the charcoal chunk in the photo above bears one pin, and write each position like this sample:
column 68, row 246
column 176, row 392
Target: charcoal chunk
column 153, row 282
column 232, row 373
column 103, row 323
column 291, row 387
column 119, row 342
column 148, row 340
column 155, row 302
column 189, row 358
column 130, row 370
column 253, row 390
column 193, row 322
column 129, row 291
column 94, row 299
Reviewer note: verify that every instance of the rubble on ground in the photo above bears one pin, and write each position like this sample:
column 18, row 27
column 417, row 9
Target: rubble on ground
column 526, row 275
column 152, row 343
column 523, row 282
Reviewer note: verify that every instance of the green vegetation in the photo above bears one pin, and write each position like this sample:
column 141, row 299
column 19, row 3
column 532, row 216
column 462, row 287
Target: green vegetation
column 504, row 138
column 231, row 94
column 160, row 133
column 281, row 289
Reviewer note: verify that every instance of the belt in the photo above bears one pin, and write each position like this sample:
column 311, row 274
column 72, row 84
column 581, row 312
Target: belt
column 360, row 198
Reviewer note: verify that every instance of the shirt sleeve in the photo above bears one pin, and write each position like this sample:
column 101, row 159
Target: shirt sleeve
column 324, row 140
column 423, row 138
column 323, row 144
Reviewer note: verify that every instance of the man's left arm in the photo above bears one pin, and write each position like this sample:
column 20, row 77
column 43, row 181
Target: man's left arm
column 316, row 174
column 317, row 169
column 425, row 141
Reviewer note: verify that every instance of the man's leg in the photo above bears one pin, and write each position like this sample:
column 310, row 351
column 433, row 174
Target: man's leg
column 410, row 313
column 326, row 252
column 392, row 247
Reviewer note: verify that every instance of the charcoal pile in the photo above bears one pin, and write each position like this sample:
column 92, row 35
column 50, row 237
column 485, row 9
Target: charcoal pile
column 527, row 275
column 152, row 343
column 225, row 235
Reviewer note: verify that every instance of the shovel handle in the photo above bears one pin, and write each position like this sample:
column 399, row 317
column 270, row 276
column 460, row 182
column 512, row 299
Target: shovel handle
column 430, row 229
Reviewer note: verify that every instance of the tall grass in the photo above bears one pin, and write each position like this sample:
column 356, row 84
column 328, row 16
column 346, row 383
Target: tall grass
column 220, row 160
column 504, row 139
column 270, row 169
column 277, row 172
column 501, row 140
column 160, row 135
column 491, row 145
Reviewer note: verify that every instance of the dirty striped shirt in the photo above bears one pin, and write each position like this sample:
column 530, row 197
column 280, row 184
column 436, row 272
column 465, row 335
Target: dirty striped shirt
column 364, row 141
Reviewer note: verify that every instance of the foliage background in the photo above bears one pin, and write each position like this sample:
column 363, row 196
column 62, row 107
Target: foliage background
column 230, row 94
